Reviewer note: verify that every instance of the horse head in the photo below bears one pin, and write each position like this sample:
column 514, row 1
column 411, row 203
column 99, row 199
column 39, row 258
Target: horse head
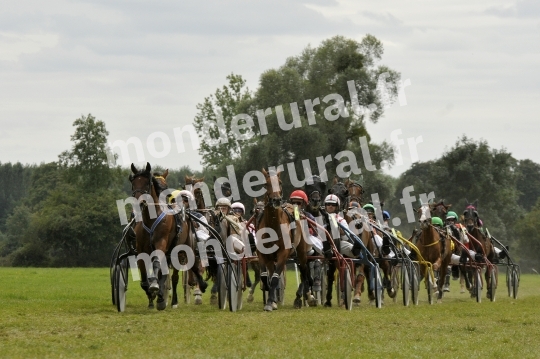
column 141, row 181
column 440, row 209
column 470, row 216
column 274, row 194
column 340, row 190
column 425, row 215
column 355, row 191
column 314, row 189
column 191, row 185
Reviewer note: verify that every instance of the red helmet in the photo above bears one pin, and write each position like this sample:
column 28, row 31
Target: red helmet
column 299, row 194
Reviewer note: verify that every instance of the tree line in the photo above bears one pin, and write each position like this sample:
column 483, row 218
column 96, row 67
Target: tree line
column 64, row 213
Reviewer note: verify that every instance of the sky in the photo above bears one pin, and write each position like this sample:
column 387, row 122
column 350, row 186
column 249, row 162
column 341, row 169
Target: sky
column 143, row 66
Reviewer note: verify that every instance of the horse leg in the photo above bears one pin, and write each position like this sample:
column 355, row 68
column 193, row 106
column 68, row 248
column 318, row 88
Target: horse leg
column 145, row 285
column 359, row 283
column 271, row 285
column 201, row 284
column 163, row 293
column 487, row 277
column 257, row 270
column 330, row 281
column 386, row 280
column 174, row 279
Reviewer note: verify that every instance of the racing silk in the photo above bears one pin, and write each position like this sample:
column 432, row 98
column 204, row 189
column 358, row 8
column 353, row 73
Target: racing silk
column 201, row 232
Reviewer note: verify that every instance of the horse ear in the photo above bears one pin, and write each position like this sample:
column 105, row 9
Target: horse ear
column 475, row 204
column 148, row 167
column 335, row 180
column 134, row 169
column 264, row 172
column 255, row 201
column 201, row 179
column 467, row 202
column 165, row 174
column 330, row 191
column 448, row 206
column 430, row 201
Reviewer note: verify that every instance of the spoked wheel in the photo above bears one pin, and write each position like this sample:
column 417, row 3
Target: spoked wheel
column 509, row 280
column 515, row 282
column 121, row 277
column 493, row 278
column 478, row 285
column 222, row 286
column 395, row 279
column 377, row 285
column 414, row 283
column 405, row 284
column 112, row 272
column 234, row 285
column 348, row 289
column 186, row 286
column 430, row 284
column 280, row 292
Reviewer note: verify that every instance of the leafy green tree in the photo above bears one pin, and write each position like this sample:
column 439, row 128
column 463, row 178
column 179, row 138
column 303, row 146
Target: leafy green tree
column 468, row 171
column 15, row 184
column 528, row 183
column 286, row 94
column 528, row 230
column 87, row 163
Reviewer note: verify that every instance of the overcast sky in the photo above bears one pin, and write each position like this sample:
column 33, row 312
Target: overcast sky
column 143, row 66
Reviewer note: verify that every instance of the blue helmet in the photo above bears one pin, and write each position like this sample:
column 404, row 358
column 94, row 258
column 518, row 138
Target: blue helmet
column 386, row 215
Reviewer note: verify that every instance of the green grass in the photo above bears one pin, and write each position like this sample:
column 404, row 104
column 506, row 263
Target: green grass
column 68, row 313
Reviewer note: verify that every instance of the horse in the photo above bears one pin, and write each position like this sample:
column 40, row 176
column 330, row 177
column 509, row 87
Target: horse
column 189, row 183
column 355, row 191
column 258, row 208
column 434, row 248
column 439, row 209
column 153, row 233
column 273, row 260
column 473, row 223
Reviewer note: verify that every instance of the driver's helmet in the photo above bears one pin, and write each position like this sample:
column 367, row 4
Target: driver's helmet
column 332, row 198
column 299, row 194
column 386, row 215
column 452, row 215
column 369, row 208
column 238, row 207
column 223, row 201
column 173, row 196
column 436, row 221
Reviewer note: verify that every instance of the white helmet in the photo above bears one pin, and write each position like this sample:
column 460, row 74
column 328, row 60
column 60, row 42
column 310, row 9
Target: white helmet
column 238, row 205
column 223, row 201
column 187, row 194
column 331, row 198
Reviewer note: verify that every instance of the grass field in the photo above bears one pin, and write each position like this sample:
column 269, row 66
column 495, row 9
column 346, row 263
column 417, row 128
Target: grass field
column 68, row 313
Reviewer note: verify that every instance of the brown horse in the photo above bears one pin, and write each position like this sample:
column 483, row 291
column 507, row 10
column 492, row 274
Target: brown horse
column 272, row 259
column 440, row 209
column 155, row 233
column 474, row 227
column 356, row 191
column 434, row 248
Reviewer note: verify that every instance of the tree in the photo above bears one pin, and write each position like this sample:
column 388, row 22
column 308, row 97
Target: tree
column 528, row 183
column 528, row 230
column 291, row 130
column 87, row 163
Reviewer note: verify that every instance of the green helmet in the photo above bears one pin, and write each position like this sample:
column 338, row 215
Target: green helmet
column 452, row 215
column 436, row 221
column 369, row 208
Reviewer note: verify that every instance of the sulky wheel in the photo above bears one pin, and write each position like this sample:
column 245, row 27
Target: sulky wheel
column 405, row 284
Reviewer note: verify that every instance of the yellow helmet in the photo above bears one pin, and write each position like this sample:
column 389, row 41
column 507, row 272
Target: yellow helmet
column 173, row 196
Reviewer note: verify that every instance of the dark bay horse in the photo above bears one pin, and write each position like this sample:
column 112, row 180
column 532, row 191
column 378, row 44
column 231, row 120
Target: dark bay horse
column 474, row 227
column 155, row 233
column 434, row 248
column 273, row 256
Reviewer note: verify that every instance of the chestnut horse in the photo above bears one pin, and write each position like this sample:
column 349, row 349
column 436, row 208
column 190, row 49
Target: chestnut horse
column 473, row 223
column 434, row 248
column 272, row 259
column 156, row 232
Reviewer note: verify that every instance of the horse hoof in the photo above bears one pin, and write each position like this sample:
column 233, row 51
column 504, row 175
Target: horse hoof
column 250, row 298
column 312, row 302
column 439, row 301
column 297, row 303
column 328, row 304
column 161, row 305
column 198, row 300
column 203, row 286
column 150, row 306
column 356, row 300
column 268, row 308
column 213, row 299
column 175, row 306
column 274, row 306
